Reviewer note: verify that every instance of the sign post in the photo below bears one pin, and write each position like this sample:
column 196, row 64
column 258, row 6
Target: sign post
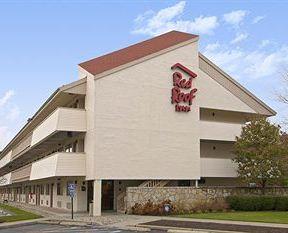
column 72, row 192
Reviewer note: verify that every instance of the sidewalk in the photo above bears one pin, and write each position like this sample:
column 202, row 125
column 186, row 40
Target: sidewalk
column 122, row 221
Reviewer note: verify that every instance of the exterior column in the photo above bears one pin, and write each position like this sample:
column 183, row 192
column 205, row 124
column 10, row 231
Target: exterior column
column 196, row 183
column 97, row 194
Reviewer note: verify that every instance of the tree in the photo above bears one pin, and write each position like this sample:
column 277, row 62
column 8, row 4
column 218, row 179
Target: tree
column 261, row 153
column 282, row 94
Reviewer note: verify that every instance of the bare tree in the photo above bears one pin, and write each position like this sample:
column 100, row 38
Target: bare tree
column 282, row 95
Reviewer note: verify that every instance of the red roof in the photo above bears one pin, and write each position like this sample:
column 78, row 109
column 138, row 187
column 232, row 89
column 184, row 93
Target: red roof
column 134, row 52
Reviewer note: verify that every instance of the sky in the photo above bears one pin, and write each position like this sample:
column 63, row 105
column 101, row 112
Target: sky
column 41, row 43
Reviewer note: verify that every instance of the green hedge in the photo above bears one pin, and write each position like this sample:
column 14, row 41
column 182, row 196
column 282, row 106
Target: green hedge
column 258, row 203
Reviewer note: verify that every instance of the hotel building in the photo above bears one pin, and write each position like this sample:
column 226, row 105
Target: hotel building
column 157, row 113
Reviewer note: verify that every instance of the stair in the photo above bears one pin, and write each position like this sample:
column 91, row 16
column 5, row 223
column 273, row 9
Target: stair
column 154, row 183
column 121, row 197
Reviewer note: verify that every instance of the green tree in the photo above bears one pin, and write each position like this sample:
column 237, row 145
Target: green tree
column 261, row 153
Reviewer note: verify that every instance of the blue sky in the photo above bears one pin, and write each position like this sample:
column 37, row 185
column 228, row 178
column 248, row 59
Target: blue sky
column 42, row 42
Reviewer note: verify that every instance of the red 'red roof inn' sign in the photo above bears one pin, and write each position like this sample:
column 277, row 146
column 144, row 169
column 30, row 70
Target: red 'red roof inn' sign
column 179, row 83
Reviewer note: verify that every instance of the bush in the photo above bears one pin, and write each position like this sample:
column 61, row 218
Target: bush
column 257, row 203
column 281, row 204
column 203, row 206
column 150, row 208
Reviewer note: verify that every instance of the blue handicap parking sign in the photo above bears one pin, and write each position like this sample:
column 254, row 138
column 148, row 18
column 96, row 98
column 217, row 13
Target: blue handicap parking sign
column 71, row 189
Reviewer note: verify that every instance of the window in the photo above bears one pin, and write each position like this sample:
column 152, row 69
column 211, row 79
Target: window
column 42, row 189
column 47, row 191
column 59, row 189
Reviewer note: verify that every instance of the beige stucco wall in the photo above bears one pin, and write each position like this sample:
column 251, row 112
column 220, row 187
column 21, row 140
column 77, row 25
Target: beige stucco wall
column 136, row 132
column 6, row 159
column 138, row 135
column 211, row 167
column 59, row 164
column 216, row 149
column 62, row 119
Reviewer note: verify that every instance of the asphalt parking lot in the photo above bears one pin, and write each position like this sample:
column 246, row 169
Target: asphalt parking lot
column 46, row 228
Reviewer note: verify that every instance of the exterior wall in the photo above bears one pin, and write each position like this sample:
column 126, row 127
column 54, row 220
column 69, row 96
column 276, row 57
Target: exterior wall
column 211, row 167
column 221, row 181
column 21, row 174
column 6, row 179
column 215, row 115
column 185, row 197
column 22, row 145
column 216, row 149
column 59, row 164
column 219, row 131
column 89, row 143
column 134, row 120
column 62, row 119
column 214, row 96
column 137, row 123
column 6, row 159
column 59, row 201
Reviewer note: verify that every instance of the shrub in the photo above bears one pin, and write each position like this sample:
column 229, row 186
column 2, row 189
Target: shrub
column 150, row 208
column 257, row 203
column 201, row 206
column 215, row 205
column 281, row 204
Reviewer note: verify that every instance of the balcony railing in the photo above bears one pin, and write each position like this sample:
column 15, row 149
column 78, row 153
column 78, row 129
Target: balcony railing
column 210, row 130
column 59, row 164
column 211, row 167
column 62, row 119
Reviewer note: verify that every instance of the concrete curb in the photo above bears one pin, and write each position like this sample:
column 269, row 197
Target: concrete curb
column 184, row 230
column 91, row 224
column 19, row 223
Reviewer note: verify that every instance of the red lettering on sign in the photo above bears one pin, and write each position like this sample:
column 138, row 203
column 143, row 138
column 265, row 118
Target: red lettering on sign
column 178, row 96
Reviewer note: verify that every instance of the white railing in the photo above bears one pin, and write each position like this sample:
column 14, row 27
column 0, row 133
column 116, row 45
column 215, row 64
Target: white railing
column 210, row 130
column 211, row 167
column 154, row 183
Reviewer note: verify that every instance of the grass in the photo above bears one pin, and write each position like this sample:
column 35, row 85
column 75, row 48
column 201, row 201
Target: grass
column 253, row 216
column 17, row 214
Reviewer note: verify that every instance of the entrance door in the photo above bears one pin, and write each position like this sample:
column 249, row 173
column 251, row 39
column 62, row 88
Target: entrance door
column 107, row 194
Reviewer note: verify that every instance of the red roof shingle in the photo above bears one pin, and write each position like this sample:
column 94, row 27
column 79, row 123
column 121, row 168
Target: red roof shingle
column 134, row 52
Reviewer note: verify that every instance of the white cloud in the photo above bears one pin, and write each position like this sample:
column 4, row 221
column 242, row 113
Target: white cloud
column 264, row 43
column 257, row 19
column 8, row 117
column 6, row 97
column 239, row 37
column 244, row 64
column 212, row 47
column 4, row 136
column 235, row 17
column 167, row 19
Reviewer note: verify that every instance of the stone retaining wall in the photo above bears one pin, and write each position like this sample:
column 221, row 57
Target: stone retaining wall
column 187, row 196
